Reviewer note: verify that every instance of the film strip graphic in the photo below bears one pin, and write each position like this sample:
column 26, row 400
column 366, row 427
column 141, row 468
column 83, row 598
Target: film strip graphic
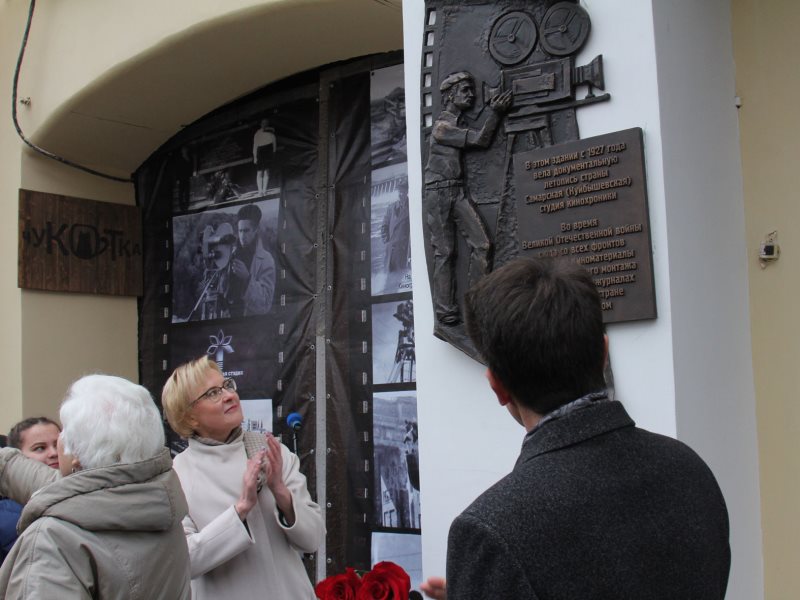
column 428, row 73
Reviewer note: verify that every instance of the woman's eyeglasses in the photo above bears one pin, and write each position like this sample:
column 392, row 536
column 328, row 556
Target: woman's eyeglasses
column 216, row 393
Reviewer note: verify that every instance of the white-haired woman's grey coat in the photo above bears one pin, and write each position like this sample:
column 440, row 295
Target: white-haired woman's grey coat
column 110, row 532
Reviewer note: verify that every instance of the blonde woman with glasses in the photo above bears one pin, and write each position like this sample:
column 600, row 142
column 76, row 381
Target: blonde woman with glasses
column 250, row 513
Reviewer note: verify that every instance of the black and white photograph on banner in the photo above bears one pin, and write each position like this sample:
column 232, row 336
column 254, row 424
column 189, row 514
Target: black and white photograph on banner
column 223, row 262
column 404, row 549
column 396, row 447
column 180, row 171
column 244, row 349
column 388, row 115
column 389, row 231
column 257, row 415
column 394, row 359
column 240, row 163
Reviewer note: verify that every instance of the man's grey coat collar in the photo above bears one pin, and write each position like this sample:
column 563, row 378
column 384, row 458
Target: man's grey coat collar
column 577, row 427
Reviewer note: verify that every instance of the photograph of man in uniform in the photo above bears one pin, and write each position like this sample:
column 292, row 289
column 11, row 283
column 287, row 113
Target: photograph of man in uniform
column 252, row 283
column 395, row 230
column 389, row 231
column 447, row 206
column 265, row 145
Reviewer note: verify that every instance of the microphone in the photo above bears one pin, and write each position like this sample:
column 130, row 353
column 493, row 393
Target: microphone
column 294, row 420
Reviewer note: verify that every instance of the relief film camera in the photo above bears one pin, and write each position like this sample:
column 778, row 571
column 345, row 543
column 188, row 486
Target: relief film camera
column 545, row 87
column 542, row 87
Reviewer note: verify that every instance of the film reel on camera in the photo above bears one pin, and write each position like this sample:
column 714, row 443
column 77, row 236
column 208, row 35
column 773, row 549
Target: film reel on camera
column 512, row 38
column 564, row 29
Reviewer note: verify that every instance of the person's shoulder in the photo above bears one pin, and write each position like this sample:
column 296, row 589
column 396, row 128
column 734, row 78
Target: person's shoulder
column 9, row 515
column 51, row 532
column 63, row 548
column 184, row 460
column 667, row 454
column 7, row 505
column 495, row 501
column 495, row 515
column 262, row 252
column 264, row 256
column 666, row 445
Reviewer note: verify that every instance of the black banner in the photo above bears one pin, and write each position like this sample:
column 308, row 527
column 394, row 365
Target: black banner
column 276, row 236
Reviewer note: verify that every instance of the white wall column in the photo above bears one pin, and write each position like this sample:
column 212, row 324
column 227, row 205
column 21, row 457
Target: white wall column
column 687, row 374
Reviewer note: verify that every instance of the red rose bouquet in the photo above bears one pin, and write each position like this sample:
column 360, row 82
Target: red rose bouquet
column 386, row 581
column 339, row 587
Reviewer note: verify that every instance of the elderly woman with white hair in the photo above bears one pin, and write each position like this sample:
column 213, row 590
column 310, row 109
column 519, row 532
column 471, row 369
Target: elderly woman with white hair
column 110, row 525
column 250, row 513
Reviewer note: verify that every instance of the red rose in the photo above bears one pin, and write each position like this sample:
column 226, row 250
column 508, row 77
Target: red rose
column 339, row 587
column 386, row 581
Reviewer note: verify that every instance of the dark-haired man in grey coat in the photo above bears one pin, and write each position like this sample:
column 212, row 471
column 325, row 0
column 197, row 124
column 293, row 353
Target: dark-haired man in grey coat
column 595, row 507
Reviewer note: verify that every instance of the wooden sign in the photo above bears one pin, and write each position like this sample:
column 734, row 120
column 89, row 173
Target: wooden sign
column 77, row 245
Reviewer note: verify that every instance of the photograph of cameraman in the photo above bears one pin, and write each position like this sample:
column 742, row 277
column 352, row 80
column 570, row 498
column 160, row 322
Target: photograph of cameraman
column 393, row 352
column 223, row 262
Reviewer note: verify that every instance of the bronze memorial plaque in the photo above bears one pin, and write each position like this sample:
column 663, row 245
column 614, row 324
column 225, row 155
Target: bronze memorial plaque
column 587, row 200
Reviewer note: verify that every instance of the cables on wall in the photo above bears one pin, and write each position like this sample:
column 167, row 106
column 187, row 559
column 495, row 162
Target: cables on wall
column 14, row 102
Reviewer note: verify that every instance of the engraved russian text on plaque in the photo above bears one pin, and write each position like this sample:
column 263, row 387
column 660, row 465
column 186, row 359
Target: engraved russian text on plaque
column 587, row 200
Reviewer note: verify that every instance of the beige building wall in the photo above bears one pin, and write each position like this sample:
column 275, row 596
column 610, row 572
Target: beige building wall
column 109, row 82
column 768, row 83
column 10, row 170
column 66, row 335
column 50, row 339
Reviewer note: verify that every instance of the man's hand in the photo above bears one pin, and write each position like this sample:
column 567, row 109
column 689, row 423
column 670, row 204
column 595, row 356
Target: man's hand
column 435, row 587
column 240, row 270
column 501, row 103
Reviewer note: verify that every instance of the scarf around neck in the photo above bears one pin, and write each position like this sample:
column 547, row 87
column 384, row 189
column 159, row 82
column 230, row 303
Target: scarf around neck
column 568, row 408
column 253, row 442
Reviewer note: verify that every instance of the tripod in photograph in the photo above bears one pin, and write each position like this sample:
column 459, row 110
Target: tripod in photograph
column 405, row 357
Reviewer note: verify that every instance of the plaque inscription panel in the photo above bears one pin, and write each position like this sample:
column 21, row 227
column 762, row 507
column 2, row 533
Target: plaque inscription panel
column 587, row 200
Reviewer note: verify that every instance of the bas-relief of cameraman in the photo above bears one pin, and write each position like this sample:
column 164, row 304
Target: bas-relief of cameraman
column 540, row 67
column 528, row 49
column 447, row 206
